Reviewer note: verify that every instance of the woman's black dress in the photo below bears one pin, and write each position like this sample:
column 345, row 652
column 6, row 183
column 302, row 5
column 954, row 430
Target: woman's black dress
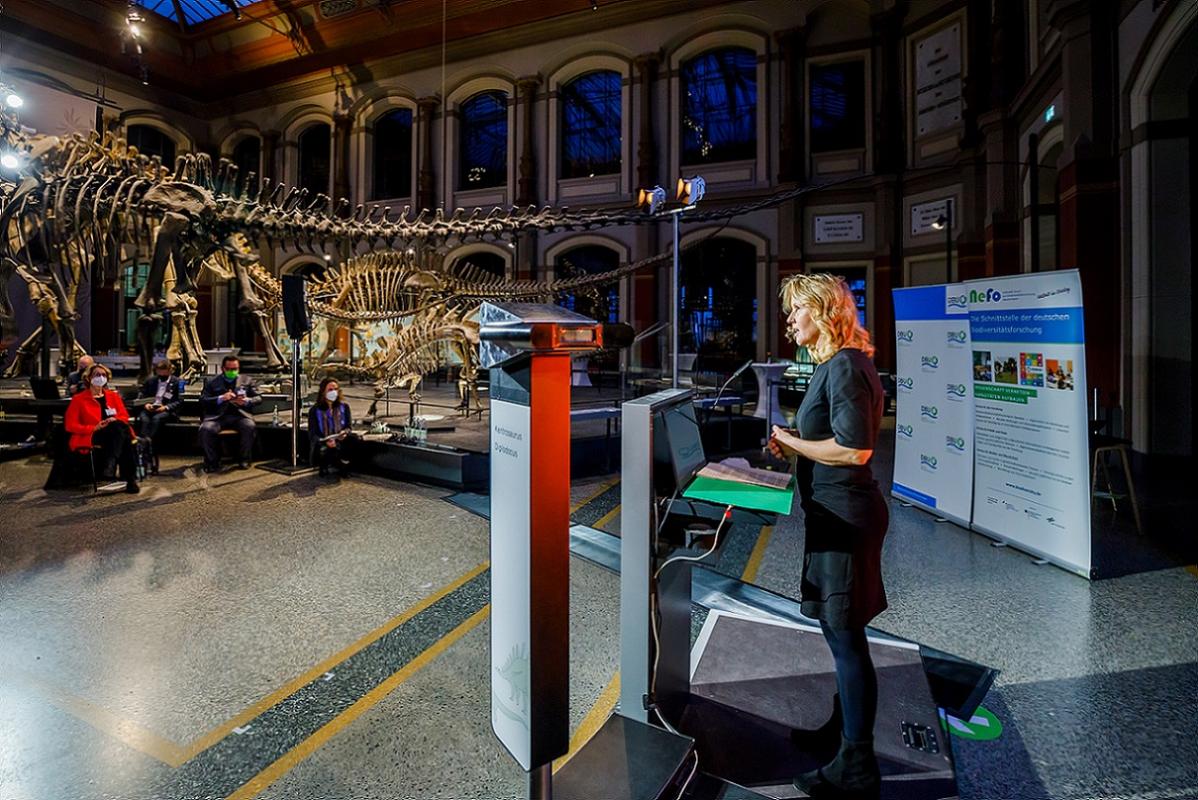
column 846, row 515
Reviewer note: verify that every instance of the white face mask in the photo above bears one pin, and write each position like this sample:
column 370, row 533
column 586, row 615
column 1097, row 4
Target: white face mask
column 331, row 395
column 99, row 380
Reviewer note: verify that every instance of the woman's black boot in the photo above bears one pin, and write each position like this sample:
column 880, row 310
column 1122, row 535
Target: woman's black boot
column 852, row 775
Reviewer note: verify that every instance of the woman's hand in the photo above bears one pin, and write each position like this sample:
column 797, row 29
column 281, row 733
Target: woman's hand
column 783, row 443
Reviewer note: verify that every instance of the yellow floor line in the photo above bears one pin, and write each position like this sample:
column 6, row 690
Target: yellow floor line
column 606, row 518
column 293, row 757
column 1193, row 570
column 216, row 734
column 603, row 487
column 754, row 562
column 593, row 721
column 136, row 736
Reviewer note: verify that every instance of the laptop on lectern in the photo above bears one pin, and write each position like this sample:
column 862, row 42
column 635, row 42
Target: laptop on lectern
column 44, row 389
column 679, row 452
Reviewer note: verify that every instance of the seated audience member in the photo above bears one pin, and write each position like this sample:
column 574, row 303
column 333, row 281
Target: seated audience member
column 227, row 403
column 166, row 391
column 77, row 380
column 97, row 418
column 329, row 436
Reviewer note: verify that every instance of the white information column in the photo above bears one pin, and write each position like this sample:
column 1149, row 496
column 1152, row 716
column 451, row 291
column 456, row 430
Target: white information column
column 1031, row 480
column 528, row 348
column 933, row 451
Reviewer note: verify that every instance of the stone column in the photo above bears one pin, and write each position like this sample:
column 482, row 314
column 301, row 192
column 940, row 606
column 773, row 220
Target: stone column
column 342, row 125
column 426, row 193
column 790, row 147
column 889, row 132
column 1088, row 182
column 646, row 147
column 526, row 182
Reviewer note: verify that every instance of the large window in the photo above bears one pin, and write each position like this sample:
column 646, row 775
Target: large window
column 837, row 106
column 601, row 303
column 247, row 156
column 315, row 145
column 393, row 155
column 591, row 125
column 482, row 141
column 719, row 106
column 150, row 141
column 718, row 289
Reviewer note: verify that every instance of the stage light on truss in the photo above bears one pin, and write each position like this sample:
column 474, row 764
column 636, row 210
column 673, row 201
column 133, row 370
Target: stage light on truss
column 691, row 190
column 14, row 100
column 10, row 161
column 651, row 199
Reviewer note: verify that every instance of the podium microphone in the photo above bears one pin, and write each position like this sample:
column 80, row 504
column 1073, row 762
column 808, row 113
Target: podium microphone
column 715, row 403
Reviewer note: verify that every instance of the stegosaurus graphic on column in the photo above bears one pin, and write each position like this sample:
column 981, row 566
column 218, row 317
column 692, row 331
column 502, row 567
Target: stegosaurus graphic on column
column 516, row 671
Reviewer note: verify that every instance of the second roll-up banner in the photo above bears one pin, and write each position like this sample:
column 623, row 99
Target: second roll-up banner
column 933, row 451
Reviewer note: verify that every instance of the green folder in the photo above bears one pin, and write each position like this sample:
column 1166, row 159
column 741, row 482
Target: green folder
column 741, row 495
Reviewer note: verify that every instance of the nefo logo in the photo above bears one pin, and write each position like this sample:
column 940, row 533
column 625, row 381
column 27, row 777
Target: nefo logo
column 956, row 389
column 927, row 461
column 956, row 443
column 906, row 384
column 905, row 431
column 929, row 412
column 956, row 337
column 929, row 362
column 906, row 337
column 988, row 296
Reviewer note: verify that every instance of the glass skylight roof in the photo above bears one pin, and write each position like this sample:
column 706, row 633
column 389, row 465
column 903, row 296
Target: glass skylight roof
column 194, row 11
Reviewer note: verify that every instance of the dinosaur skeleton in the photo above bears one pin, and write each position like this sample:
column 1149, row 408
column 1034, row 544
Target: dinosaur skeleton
column 400, row 287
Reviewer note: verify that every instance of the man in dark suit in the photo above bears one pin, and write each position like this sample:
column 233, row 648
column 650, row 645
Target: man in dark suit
column 161, row 395
column 227, row 403
column 77, row 380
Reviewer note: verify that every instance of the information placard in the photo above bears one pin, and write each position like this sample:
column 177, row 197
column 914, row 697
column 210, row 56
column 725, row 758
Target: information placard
column 1031, row 475
column 831, row 228
column 933, row 454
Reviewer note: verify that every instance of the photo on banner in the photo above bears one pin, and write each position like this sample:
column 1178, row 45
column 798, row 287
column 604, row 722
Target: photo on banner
column 933, row 458
column 1031, row 470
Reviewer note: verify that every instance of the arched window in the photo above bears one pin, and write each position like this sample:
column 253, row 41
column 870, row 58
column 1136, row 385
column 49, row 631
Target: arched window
column 393, row 155
column 314, row 158
column 718, row 296
column 247, row 156
column 150, row 141
column 591, row 125
column 719, row 106
column 837, row 106
column 482, row 141
column 603, row 303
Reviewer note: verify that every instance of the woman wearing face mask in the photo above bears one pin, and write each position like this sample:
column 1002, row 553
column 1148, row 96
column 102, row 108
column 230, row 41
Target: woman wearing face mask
column 845, row 515
column 97, row 418
column 329, row 436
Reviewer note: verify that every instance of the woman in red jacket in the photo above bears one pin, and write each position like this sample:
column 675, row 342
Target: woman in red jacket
column 97, row 418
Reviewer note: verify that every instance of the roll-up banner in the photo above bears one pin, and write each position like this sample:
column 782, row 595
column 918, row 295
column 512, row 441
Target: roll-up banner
column 933, row 452
column 1031, row 470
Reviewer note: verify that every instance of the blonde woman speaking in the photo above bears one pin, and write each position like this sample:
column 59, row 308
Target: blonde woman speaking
column 845, row 513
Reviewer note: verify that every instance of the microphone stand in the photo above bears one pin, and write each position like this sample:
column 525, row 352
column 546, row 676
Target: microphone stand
column 716, row 402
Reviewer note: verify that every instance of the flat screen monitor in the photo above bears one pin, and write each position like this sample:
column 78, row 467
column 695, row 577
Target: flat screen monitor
column 685, row 445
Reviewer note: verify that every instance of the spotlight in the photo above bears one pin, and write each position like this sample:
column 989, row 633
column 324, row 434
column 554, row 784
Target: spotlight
column 940, row 222
column 594, row 5
column 651, row 199
column 9, row 161
column 511, row 245
column 691, row 190
column 14, row 100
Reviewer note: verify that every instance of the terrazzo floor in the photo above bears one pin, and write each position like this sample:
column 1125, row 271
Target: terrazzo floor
column 245, row 635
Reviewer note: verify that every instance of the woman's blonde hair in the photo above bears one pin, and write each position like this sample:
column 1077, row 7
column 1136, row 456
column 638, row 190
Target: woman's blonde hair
column 91, row 371
column 833, row 309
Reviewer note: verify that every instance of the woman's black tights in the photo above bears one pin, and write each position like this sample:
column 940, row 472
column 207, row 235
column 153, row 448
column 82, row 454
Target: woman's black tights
column 855, row 680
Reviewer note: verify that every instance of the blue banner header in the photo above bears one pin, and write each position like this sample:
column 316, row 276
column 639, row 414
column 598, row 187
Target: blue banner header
column 922, row 303
column 1041, row 325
